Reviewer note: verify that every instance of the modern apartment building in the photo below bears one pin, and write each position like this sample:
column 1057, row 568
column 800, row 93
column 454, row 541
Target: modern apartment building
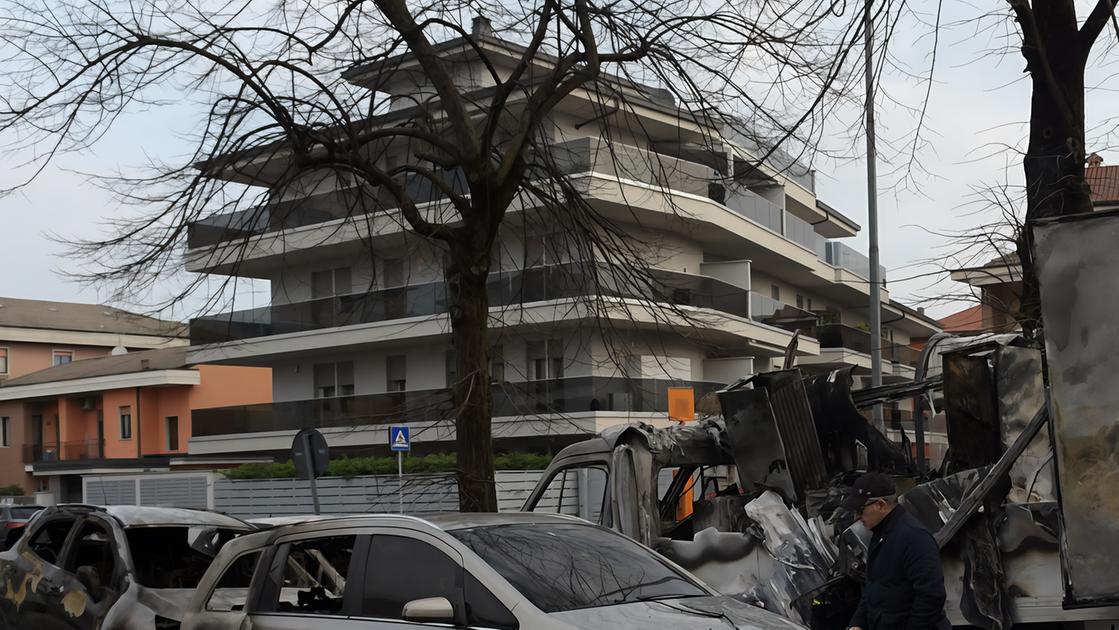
column 36, row 334
column 357, row 334
column 125, row 413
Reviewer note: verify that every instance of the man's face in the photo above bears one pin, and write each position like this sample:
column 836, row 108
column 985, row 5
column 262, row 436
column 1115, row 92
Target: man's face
column 873, row 511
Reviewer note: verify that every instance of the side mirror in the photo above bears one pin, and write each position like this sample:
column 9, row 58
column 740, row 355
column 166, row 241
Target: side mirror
column 430, row 609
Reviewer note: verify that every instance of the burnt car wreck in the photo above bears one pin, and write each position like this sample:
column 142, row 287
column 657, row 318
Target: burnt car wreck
column 748, row 499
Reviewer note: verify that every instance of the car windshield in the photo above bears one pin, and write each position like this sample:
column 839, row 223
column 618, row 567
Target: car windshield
column 170, row 557
column 564, row 566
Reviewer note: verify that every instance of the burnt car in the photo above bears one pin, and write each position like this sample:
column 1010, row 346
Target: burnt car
column 496, row 571
column 13, row 518
column 116, row 567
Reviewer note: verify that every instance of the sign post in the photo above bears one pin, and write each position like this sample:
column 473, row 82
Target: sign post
column 400, row 442
column 310, row 455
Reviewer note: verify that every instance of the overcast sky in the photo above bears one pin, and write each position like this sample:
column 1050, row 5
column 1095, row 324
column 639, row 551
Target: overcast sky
column 978, row 102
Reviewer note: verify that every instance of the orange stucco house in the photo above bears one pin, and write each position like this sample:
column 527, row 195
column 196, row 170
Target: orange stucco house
column 124, row 413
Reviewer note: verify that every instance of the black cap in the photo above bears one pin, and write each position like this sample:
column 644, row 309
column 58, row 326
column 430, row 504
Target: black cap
column 868, row 486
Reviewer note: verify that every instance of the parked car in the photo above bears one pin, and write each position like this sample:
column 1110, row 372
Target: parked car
column 497, row 571
column 81, row 566
column 13, row 518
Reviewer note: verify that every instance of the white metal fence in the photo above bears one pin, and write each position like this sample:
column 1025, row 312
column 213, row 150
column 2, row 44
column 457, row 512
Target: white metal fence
column 255, row 498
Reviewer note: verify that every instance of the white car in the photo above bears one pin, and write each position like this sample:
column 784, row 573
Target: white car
column 495, row 571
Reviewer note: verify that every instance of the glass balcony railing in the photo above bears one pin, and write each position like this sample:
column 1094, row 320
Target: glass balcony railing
column 843, row 256
column 841, row 336
column 555, row 396
column 536, row 284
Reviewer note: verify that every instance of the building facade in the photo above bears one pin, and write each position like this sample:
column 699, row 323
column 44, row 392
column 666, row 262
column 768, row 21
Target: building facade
column 118, row 414
column 357, row 334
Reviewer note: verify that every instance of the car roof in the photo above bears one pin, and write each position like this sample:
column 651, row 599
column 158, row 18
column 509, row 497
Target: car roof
column 451, row 522
column 445, row 522
column 147, row 516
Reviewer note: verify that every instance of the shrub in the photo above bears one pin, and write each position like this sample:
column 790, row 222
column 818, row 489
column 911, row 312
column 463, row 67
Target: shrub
column 14, row 490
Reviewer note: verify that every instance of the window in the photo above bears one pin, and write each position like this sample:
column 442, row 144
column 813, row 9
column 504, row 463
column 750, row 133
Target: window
column 401, row 570
column 174, row 556
column 396, row 373
column 5, row 431
column 497, row 364
column 545, row 359
column 3, row 361
column 331, row 282
column 800, row 301
column 125, row 423
column 92, row 548
column 810, row 304
column 450, row 368
column 578, row 491
column 484, row 610
column 172, row 433
column 232, row 588
column 333, row 379
column 544, row 249
column 394, row 272
column 59, row 357
column 310, row 577
column 775, row 292
column 47, row 541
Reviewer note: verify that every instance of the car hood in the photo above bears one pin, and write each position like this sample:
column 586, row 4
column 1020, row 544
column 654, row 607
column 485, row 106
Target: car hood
column 687, row 613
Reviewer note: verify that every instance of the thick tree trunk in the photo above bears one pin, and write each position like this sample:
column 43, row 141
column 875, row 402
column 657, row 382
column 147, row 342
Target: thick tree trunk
column 1054, row 160
column 468, row 303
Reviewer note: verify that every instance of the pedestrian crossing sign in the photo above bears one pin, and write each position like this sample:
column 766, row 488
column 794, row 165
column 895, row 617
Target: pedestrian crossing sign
column 399, row 439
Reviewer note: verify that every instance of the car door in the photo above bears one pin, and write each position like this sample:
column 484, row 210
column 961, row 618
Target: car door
column 92, row 572
column 313, row 581
column 36, row 581
column 406, row 566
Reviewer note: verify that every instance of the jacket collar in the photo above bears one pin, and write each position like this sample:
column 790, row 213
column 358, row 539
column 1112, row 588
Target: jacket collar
column 891, row 519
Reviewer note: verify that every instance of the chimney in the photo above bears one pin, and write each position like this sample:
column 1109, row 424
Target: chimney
column 481, row 27
column 1094, row 160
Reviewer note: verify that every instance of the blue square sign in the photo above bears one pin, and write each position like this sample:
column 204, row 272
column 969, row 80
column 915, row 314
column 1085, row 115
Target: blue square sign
column 399, row 439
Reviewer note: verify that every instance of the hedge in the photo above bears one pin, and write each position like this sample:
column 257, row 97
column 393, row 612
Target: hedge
column 348, row 467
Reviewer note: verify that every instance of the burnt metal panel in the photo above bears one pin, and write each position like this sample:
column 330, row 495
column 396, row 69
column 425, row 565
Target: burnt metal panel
column 796, row 426
column 1021, row 392
column 1077, row 264
column 755, row 442
column 974, row 436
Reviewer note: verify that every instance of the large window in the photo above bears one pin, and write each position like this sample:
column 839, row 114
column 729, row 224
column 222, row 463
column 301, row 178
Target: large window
column 334, row 379
column 396, row 373
column 60, row 357
column 545, row 359
column 5, row 431
column 126, row 423
column 3, row 361
column 562, row 567
column 331, row 282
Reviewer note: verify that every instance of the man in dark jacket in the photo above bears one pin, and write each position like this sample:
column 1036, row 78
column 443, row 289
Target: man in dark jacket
column 904, row 582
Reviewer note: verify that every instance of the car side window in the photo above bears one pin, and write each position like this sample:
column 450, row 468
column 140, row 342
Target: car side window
column 93, row 559
column 484, row 609
column 232, row 588
column 48, row 539
column 577, row 491
column 309, row 577
column 401, row 570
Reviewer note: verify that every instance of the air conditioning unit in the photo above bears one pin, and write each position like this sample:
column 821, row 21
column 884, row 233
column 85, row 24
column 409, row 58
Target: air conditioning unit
column 88, row 404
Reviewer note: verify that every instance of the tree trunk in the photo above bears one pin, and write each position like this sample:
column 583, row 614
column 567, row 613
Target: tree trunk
column 468, row 303
column 1054, row 160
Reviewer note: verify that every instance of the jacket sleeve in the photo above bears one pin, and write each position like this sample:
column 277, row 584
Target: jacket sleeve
column 922, row 569
column 858, row 620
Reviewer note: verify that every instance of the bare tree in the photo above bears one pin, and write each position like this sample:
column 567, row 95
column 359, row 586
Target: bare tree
column 297, row 93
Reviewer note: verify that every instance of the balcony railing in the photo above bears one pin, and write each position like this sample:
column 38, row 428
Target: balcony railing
column 71, row 450
column 536, row 284
column 565, row 395
column 843, row 256
column 841, row 336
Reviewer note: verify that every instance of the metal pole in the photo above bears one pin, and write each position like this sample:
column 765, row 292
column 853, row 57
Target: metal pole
column 872, row 218
column 400, row 478
column 311, row 470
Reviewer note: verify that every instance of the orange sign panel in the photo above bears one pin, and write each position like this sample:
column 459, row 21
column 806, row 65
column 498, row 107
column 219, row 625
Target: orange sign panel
column 681, row 404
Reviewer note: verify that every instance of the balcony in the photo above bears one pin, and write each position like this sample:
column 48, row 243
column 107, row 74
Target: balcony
column 565, row 395
column 841, row 336
column 536, row 284
column 842, row 256
column 53, row 452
